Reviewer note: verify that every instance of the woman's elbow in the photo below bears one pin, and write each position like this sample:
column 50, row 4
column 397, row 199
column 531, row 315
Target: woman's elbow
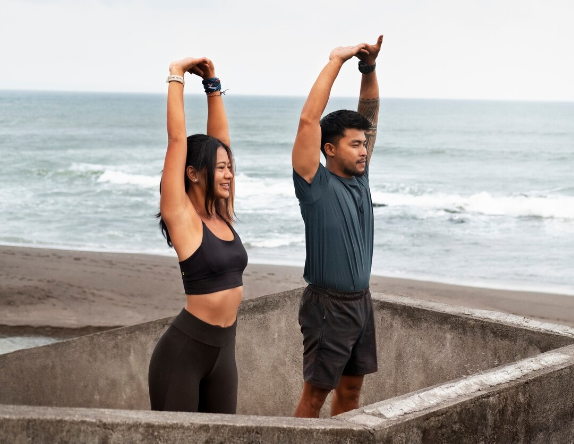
column 176, row 140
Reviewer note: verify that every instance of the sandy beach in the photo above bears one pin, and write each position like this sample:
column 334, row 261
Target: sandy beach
column 89, row 291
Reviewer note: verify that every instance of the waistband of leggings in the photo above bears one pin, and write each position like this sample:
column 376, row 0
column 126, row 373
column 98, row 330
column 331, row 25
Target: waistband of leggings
column 201, row 331
column 340, row 295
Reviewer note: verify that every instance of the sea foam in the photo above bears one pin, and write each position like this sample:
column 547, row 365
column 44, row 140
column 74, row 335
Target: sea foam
column 121, row 178
column 552, row 206
column 114, row 175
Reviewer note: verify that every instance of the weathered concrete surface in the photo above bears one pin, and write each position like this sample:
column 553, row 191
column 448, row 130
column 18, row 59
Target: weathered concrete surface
column 104, row 370
column 21, row 424
column 534, row 405
column 424, row 343
column 420, row 344
column 269, row 355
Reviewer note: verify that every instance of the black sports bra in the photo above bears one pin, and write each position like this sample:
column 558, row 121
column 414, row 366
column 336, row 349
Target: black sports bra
column 216, row 265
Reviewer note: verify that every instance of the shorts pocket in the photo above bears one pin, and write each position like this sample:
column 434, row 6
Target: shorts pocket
column 323, row 322
column 304, row 298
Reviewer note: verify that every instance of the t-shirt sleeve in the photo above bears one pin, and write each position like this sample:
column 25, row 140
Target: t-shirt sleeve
column 311, row 192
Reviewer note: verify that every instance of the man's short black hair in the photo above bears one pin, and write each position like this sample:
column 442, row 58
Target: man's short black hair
column 334, row 124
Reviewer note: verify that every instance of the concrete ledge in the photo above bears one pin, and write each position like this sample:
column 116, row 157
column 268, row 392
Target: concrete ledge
column 489, row 414
column 22, row 424
column 486, row 315
column 430, row 343
column 484, row 408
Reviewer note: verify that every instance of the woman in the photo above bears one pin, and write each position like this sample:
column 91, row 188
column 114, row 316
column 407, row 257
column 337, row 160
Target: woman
column 193, row 367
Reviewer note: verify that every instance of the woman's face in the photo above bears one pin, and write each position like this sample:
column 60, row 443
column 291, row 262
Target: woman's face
column 223, row 174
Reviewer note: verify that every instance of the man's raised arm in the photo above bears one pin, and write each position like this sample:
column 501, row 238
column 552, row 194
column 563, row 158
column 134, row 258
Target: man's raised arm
column 307, row 146
column 369, row 96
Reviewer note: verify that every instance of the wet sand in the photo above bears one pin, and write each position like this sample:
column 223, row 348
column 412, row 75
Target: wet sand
column 88, row 291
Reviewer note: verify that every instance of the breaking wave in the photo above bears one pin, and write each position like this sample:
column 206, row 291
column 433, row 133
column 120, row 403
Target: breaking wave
column 552, row 206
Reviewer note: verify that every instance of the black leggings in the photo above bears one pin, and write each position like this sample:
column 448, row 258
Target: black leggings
column 192, row 368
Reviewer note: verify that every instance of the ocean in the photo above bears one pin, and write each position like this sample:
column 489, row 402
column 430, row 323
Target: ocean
column 471, row 192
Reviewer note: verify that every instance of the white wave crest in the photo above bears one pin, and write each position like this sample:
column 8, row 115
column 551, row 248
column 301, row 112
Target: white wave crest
column 265, row 194
column 87, row 167
column 248, row 186
column 556, row 206
column 268, row 243
column 121, row 178
column 277, row 240
column 115, row 176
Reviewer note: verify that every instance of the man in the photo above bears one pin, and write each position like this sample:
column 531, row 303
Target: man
column 336, row 314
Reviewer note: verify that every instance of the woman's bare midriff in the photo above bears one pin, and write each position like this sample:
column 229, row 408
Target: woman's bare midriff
column 219, row 308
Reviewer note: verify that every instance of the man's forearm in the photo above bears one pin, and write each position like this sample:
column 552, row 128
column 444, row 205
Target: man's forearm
column 320, row 92
column 306, row 155
column 369, row 108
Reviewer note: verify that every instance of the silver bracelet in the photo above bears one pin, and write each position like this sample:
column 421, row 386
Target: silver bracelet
column 173, row 78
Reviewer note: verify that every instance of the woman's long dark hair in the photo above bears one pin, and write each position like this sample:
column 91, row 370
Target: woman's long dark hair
column 202, row 155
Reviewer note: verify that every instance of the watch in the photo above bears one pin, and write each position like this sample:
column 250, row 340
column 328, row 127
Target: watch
column 366, row 69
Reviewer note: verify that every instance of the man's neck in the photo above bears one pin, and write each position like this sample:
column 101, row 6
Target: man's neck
column 337, row 170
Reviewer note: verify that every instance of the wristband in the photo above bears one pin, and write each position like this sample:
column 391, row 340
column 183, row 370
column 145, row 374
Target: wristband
column 174, row 78
column 366, row 69
column 211, row 85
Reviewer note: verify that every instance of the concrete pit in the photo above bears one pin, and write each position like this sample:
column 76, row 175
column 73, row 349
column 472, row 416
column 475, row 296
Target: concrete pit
column 446, row 374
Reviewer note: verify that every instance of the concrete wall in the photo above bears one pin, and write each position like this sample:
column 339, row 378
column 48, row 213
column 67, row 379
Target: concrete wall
column 446, row 374
column 494, row 407
column 533, row 404
column 419, row 345
column 24, row 425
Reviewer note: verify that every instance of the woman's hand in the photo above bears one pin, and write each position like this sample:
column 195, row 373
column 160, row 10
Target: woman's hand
column 205, row 69
column 190, row 64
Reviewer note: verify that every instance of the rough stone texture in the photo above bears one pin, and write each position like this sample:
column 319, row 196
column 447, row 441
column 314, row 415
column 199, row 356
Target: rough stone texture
column 21, row 424
column 467, row 386
column 420, row 345
column 534, row 408
column 269, row 355
column 537, row 407
column 103, row 370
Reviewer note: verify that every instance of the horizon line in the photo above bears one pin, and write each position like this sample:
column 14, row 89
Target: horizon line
column 461, row 99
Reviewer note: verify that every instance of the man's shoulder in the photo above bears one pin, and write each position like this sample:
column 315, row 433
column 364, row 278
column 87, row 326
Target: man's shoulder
column 310, row 192
column 321, row 172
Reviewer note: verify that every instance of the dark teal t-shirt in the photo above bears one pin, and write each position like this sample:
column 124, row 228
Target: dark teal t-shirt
column 338, row 216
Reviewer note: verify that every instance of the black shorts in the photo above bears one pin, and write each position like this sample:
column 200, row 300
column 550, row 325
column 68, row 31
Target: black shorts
column 338, row 335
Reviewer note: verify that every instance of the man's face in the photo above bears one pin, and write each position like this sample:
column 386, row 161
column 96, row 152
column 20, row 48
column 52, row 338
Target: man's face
column 351, row 152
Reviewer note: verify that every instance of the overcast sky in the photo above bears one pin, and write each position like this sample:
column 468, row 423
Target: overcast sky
column 463, row 49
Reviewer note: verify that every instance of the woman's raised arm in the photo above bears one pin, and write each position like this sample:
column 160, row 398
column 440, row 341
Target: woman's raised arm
column 216, row 117
column 173, row 197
